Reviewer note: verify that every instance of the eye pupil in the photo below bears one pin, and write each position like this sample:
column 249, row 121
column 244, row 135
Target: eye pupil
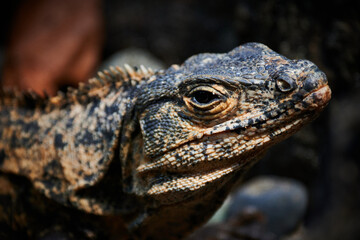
column 203, row 97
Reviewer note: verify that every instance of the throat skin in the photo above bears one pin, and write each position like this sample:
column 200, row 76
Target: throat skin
column 182, row 218
column 183, row 212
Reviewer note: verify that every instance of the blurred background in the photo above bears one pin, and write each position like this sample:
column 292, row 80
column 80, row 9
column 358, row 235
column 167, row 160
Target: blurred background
column 48, row 45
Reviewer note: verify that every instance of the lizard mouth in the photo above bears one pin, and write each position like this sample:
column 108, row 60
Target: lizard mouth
column 182, row 183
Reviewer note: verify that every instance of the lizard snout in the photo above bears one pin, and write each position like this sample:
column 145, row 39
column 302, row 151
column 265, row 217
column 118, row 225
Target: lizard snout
column 317, row 89
column 314, row 81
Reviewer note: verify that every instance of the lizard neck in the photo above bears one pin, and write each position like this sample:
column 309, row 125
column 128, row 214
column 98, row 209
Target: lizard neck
column 150, row 216
column 191, row 213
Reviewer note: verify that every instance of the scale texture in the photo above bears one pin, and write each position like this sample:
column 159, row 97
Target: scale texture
column 138, row 154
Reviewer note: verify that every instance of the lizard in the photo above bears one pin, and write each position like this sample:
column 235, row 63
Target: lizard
column 142, row 154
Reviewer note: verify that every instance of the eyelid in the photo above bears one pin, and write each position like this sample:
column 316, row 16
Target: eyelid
column 206, row 88
column 213, row 80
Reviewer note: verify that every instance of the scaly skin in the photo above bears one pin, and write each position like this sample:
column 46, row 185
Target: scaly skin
column 139, row 154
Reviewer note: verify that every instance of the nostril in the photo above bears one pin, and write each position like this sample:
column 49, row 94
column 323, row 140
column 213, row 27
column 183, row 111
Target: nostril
column 284, row 83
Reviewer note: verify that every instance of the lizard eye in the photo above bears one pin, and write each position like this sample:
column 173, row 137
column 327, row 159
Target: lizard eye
column 203, row 97
column 207, row 102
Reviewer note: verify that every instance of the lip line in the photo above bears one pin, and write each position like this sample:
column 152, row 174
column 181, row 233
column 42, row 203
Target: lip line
column 231, row 162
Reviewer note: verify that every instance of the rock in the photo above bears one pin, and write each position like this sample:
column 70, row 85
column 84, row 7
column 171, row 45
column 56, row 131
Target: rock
column 133, row 57
column 281, row 201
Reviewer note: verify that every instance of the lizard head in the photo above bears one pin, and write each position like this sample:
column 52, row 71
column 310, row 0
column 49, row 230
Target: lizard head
column 214, row 115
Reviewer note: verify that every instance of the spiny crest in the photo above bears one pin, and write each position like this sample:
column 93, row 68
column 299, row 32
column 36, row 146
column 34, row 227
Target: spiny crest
column 15, row 98
column 130, row 76
column 106, row 80
column 97, row 87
